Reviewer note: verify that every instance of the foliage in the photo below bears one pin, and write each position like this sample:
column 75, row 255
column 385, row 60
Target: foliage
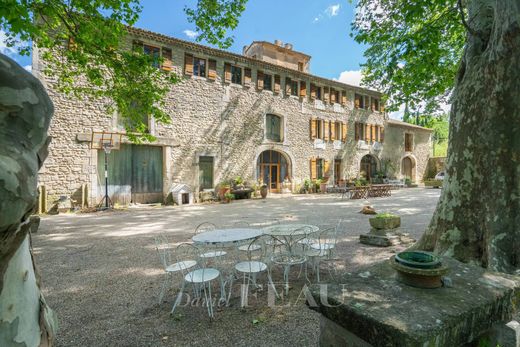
column 414, row 48
column 238, row 180
column 214, row 17
column 229, row 196
column 360, row 182
column 83, row 43
column 385, row 215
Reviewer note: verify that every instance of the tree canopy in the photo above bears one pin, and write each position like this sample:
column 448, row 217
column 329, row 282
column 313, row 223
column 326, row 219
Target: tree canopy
column 414, row 49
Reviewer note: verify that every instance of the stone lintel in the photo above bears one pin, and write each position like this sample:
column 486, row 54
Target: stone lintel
column 160, row 141
column 372, row 305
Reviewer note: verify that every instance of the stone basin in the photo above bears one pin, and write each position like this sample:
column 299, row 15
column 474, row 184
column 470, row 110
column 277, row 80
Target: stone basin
column 418, row 259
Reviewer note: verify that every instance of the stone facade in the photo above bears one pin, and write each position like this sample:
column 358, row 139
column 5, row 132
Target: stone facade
column 211, row 117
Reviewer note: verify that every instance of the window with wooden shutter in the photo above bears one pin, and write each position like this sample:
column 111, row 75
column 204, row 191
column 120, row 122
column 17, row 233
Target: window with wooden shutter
column 326, row 130
column 313, row 168
column 313, row 91
column 326, row 168
column 333, row 131
column 276, row 84
column 344, row 132
column 332, row 96
column 408, row 142
column 366, row 102
column 344, row 98
column 326, row 94
column 227, row 72
column 199, row 67
column 303, row 89
column 312, row 128
column 259, row 80
column 167, row 64
column 188, row 64
column 382, row 134
column 356, row 131
column 367, row 133
column 373, row 130
column 247, row 77
column 212, row 69
column 287, row 86
column 358, row 101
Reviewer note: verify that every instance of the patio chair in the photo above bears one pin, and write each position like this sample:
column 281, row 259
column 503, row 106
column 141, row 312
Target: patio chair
column 178, row 264
column 241, row 224
column 201, row 279
column 206, row 226
column 250, row 267
column 324, row 248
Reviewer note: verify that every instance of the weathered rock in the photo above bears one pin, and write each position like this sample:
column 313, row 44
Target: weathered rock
column 368, row 210
column 381, row 311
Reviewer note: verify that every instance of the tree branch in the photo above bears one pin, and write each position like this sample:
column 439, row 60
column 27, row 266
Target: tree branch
column 463, row 19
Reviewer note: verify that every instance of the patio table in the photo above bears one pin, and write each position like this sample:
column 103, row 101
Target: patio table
column 226, row 237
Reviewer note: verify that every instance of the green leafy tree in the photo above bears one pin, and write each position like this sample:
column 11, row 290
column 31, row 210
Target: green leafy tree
column 419, row 53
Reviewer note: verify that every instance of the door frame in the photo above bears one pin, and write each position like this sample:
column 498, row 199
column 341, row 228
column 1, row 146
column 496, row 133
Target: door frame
column 263, row 167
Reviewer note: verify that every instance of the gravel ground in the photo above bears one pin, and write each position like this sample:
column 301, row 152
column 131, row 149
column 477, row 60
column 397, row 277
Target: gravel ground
column 102, row 276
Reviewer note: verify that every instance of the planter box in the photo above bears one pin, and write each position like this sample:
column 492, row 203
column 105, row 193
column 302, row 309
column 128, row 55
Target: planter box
column 385, row 223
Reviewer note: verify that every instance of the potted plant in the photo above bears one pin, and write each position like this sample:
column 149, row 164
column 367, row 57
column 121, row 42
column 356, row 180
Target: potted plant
column 223, row 188
column 263, row 191
column 306, row 187
column 383, row 221
column 228, row 197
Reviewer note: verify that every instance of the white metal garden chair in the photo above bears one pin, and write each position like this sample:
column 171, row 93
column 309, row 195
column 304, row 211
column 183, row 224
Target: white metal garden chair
column 207, row 226
column 176, row 264
column 201, row 279
column 323, row 249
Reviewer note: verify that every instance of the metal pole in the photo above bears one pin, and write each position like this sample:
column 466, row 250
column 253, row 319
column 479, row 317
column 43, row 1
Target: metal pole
column 106, row 180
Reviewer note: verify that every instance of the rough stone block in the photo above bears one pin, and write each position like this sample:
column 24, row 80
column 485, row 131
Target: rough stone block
column 379, row 310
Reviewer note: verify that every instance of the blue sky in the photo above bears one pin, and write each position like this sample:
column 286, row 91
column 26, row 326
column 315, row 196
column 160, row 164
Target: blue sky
column 318, row 28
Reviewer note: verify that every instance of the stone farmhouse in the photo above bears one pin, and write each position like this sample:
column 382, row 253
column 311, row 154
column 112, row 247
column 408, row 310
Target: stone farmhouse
column 260, row 115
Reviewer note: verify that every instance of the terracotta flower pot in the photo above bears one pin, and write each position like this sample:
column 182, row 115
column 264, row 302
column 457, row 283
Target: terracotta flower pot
column 263, row 192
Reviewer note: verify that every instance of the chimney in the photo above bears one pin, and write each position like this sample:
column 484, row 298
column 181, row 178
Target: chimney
column 244, row 49
column 278, row 42
column 288, row 46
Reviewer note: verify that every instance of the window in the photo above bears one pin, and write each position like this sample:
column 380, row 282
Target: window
column 205, row 172
column 153, row 53
column 319, row 168
column 408, row 142
column 360, row 131
column 273, row 127
column 358, row 101
column 199, row 67
column 319, row 128
column 236, row 74
column 300, row 66
column 294, row 88
column 268, row 82
column 337, row 131
column 375, row 104
column 318, row 93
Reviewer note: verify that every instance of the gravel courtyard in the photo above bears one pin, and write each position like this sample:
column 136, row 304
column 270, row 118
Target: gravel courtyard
column 101, row 273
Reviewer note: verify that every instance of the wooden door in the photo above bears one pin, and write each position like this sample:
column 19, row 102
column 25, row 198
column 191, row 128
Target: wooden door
column 147, row 178
column 408, row 168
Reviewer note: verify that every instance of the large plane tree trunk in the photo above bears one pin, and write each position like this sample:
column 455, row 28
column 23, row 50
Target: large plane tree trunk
column 477, row 219
column 25, row 113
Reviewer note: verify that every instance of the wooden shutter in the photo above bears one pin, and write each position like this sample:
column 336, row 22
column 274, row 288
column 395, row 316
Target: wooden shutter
column 332, row 96
column 382, row 134
column 227, row 72
column 303, row 89
column 167, row 64
column 344, row 98
column 373, row 130
column 382, row 107
column 247, row 77
column 367, row 133
column 312, row 128
column 287, row 86
column 326, row 130
column 212, row 69
column 313, row 168
column 326, row 94
column 332, row 131
column 344, row 132
column 357, row 101
column 326, row 168
column 259, row 80
column 188, row 64
column 313, row 91
column 276, row 84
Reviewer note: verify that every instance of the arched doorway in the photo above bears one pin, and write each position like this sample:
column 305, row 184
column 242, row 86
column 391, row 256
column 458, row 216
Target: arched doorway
column 368, row 167
column 408, row 168
column 273, row 169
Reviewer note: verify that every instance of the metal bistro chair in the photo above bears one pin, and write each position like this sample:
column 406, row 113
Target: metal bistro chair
column 206, row 226
column 203, row 227
column 252, row 266
column 200, row 278
column 178, row 264
column 324, row 247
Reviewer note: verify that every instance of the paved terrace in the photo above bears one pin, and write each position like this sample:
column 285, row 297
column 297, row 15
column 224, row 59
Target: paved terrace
column 101, row 273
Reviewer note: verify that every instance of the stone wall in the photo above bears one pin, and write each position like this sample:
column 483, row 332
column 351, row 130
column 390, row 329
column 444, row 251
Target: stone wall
column 212, row 118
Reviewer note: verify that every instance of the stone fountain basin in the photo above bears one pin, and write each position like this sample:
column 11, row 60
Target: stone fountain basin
column 428, row 278
column 418, row 259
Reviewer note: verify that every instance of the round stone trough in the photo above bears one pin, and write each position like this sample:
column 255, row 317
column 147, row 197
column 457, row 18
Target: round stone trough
column 419, row 269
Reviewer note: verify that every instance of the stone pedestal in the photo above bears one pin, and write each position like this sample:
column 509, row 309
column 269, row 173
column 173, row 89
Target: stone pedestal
column 385, row 238
column 372, row 308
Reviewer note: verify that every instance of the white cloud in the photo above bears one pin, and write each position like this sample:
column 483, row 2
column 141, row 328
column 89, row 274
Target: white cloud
column 352, row 77
column 28, row 68
column 4, row 49
column 332, row 10
column 191, row 34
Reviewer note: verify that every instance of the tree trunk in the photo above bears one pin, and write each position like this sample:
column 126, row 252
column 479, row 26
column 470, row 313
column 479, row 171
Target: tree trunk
column 25, row 113
column 477, row 219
